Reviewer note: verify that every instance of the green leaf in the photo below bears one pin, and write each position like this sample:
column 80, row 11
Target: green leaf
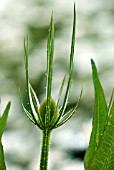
column 29, row 115
column 60, row 92
column 111, row 101
column 33, row 94
column 99, row 117
column 104, row 155
column 29, row 100
column 36, row 107
column 2, row 162
column 69, row 114
column 50, row 52
column 61, row 89
column 71, row 65
column 3, row 119
column 63, row 107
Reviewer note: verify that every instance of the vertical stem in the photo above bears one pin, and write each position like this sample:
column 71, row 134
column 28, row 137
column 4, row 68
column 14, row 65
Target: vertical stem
column 45, row 149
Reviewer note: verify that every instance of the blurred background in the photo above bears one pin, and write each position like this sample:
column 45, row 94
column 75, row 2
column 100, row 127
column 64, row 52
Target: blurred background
column 94, row 39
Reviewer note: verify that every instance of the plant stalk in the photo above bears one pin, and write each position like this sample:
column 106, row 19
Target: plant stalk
column 45, row 149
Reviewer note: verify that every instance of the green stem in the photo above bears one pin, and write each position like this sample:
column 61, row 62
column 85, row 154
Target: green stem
column 45, row 149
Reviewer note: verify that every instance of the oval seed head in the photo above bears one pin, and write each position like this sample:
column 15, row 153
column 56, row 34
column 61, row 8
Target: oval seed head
column 53, row 111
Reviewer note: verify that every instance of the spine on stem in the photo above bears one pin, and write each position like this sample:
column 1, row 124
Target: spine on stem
column 45, row 149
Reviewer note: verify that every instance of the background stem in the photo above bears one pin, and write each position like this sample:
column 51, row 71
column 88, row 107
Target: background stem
column 45, row 149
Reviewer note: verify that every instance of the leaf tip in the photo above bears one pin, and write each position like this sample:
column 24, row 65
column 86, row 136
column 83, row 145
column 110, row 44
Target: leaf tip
column 94, row 68
column 9, row 104
column 92, row 62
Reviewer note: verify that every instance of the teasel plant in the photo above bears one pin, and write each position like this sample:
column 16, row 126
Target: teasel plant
column 48, row 116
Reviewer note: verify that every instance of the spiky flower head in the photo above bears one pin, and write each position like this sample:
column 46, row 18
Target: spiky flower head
column 47, row 115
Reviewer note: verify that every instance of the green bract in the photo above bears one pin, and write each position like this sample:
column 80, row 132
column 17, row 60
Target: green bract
column 47, row 115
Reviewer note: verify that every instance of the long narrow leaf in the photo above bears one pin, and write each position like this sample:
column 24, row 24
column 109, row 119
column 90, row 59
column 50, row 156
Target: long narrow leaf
column 61, row 89
column 50, row 52
column 25, row 110
column 35, row 96
column 29, row 115
column 68, row 115
column 2, row 161
column 62, row 109
column 99, row 117
column 29, row 100
column 36, row 106
column 60, row 113
column 71, row 65
column 3, row 119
